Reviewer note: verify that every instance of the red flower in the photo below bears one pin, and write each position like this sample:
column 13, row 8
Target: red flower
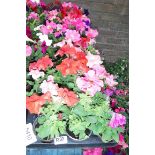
column 41, row 64
column 69, row 97
column 35, row 102
column 70, row 66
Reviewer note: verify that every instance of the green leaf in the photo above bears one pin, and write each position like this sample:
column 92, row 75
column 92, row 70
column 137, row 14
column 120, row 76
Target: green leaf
column 91, row 119
column 115, row 136
column 79, row 110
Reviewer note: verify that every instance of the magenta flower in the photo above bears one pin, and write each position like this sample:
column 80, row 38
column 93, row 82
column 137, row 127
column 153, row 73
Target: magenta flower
column 28, row 50
column 33, row 15
column 93, row 151
column 109, row 92
column 122, row 142
column 90, row 83
column 117, row 120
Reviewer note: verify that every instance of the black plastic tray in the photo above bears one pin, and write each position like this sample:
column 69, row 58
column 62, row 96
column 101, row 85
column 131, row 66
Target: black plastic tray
column 93, row 141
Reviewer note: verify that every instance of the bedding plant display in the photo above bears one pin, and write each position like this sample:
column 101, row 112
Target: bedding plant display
column 66, row 81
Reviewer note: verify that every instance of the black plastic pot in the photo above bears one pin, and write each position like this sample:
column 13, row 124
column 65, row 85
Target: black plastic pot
column 71, row 135
column 46, row 140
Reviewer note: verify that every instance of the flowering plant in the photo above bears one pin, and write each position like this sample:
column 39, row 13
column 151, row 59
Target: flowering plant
column 63, row 68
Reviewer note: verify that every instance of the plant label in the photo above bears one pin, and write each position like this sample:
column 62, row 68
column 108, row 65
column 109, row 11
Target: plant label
column 60, row 140
column 30, row 137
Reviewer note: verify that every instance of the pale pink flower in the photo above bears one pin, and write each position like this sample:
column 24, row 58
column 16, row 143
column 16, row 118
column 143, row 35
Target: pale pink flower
column 49, row 86
column 93, row 60
column 36, row 74
column 52, row 14
column 72, row 35
column 65, row 4
column 110, row 81
column 33, row 15
column 28, row 50
column 117, row 120
column 100, row 71
column 91, row 33
column 90, row 83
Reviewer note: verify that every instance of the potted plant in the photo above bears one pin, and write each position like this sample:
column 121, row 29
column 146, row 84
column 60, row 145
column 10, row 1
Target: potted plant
column 78, row 128
column 51, row 122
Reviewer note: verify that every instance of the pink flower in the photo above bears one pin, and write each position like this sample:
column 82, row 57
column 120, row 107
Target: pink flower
column 49, row 86
column 122, row 142
column 52, row 14
column 90, row 83
column 93, row 151
column 33, row 15
column 28, row 50
column 91, row 33
column 93, row 60
column 113, row 102
column 117, row 120
column 50, row 26
column 100, row 71
column 72, row 35
column 110, row 81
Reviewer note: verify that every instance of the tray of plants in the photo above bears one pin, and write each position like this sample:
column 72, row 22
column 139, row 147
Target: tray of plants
column 90, row 141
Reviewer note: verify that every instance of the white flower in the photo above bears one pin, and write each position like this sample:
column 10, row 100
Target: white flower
column 36, row 74
column 44, row 37
column 93, row 60
column 37, row 28
column 37, row 1
column 49, row 86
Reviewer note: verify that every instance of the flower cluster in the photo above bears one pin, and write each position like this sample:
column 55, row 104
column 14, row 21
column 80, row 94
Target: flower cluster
column 62, row 62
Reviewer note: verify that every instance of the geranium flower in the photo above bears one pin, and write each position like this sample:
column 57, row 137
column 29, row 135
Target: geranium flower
column 72, row 35
column 36, row 74
column 90, row 83
column 28, row 50
column 35, row 102
column 93, row 60
column 117, row 120
column 69, row 97
column 42, row 64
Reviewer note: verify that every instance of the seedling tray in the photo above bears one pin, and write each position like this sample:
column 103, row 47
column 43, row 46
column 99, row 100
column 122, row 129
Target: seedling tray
column 93, row 141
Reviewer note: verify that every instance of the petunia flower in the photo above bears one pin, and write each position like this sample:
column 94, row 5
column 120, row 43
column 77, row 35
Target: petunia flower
column 90, row 83
column 44, row 38
column 35, row 102
column 93, row 60
column 36, row 74
column 28, row 50
column 42, row 64
column 69, row 97
column 72, row 35
column 49, row 86
column 117, row 120
column 33, row 15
